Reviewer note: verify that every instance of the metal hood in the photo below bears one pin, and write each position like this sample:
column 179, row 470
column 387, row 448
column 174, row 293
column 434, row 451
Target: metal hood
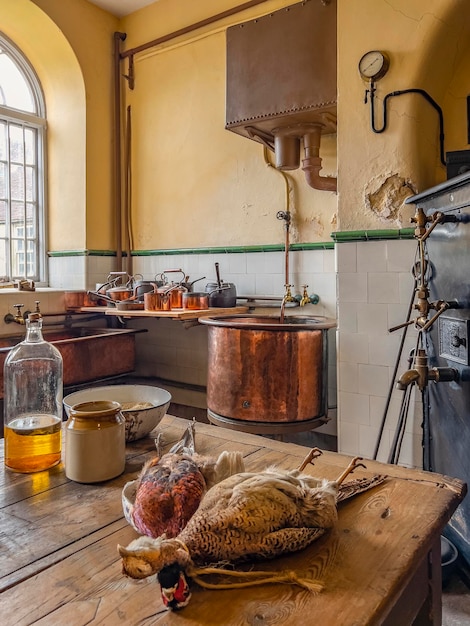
column 281, row 83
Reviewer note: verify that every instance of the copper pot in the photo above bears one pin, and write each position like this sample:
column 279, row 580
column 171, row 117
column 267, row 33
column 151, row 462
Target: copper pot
column 77, row 299
column 176, row 296
column 120, row 293
column 196, row 300
column 157, row 301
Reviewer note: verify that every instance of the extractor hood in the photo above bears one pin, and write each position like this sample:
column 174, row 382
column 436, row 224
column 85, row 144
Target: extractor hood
column 281, row 83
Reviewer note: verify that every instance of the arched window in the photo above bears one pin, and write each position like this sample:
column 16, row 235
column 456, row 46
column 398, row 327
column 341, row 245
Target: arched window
column 22, row 168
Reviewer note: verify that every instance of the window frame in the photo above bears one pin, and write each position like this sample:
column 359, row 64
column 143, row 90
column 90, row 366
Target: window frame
column 37, row 122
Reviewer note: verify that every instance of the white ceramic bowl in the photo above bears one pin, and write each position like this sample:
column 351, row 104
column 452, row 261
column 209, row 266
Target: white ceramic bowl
column 139, row 422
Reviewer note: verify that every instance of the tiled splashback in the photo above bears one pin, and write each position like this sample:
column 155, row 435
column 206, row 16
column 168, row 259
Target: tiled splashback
column 375, row 287
column 172, row 351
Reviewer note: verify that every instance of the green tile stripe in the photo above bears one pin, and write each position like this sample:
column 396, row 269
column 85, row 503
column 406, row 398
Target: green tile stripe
column 337, row 237
column 74, row 253
column 178, row 251
column 372, row 235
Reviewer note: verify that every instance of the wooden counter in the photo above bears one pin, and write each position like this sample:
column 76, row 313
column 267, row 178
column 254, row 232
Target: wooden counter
column 175, row 314
column 379, row 565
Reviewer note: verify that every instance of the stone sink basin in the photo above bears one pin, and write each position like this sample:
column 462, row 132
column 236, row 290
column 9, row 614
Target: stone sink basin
column 88, row 353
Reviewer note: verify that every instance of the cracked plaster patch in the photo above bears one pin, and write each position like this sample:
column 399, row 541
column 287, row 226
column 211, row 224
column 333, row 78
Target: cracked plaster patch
column 386, row 198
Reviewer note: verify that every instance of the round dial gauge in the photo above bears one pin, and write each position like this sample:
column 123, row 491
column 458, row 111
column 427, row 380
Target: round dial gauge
column 373, row 65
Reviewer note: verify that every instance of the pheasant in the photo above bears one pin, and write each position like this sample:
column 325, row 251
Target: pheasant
column 247, row 516
column 170, row 487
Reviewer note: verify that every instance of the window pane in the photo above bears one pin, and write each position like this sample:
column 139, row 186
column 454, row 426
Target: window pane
column 30, row 185
column 3, row 256
column 3, row 213
column 30, row 135
column 17, row 258
column 30, row 221
column 16, row 144
column 3, row 181
column 17, row 182
column 14, row 90
column 17, row 217
column 3, row 140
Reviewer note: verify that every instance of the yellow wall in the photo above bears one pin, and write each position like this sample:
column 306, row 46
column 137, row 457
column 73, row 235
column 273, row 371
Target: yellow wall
column 197, row 184
column 60, row 76
column 70, row 45
column 194, row 183
column 427, row 45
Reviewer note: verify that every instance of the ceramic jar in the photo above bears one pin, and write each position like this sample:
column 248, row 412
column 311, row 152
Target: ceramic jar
column 95, row 442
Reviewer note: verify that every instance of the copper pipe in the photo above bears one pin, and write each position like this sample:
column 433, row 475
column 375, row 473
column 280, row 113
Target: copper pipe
column 118, row 37
column 188, row 29
column 312, row 163
column 128, row 194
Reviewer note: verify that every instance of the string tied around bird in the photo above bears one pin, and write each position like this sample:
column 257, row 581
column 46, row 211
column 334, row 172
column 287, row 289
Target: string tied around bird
column 251, row 579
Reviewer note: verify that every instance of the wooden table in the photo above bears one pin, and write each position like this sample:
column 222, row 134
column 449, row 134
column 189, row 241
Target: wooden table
column 380, row 564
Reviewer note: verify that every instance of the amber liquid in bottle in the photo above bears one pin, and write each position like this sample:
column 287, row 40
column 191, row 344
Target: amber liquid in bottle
column 33, row 443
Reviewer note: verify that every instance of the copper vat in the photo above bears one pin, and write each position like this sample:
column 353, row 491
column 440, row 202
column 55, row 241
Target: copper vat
column 88, row 353
column 265, row 376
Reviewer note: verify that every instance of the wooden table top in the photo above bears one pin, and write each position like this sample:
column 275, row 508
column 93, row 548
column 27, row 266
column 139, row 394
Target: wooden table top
column 59, row 563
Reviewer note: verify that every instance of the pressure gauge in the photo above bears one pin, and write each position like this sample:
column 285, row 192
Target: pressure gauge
column 373, row 65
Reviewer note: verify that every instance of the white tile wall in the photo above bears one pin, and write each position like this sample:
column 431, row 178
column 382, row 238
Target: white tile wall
column 375, row 287
column 173, row 352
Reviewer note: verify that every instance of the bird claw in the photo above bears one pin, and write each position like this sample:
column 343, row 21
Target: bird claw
column 311, row 456
column 354, row 464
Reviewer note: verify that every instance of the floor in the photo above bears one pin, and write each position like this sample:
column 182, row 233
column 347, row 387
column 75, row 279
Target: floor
column 456, row 602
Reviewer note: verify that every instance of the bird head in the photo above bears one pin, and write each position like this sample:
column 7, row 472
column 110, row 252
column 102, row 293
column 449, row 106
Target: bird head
column 174, row 586
column 146, row 556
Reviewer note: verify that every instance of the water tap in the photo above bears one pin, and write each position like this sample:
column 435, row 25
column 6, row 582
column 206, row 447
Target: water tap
column 305, row 298
column 422, row 374
column 288, row 297
column 18, row 318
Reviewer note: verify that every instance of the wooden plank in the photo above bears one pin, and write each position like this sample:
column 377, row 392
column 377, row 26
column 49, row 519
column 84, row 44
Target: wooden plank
column 177, row 314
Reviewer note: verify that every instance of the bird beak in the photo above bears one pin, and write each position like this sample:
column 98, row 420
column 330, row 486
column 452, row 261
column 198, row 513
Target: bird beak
column 122, row 551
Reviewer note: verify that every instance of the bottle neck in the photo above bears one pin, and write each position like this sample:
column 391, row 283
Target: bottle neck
column 34, row 331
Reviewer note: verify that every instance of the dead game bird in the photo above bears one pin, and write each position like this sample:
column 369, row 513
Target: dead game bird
column 248, row 516
column 170, row 487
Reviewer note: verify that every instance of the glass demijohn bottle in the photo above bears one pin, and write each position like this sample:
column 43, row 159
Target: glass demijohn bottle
column 33, row 402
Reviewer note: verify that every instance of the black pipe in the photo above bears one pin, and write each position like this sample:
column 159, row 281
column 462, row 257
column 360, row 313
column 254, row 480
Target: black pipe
column 421, row 92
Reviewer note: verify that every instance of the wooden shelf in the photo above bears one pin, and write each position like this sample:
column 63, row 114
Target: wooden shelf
column 176, row 314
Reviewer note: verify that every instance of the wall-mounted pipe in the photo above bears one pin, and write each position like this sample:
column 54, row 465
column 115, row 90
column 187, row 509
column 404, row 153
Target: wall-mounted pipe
column 312, row 163
column 189, row 29
column 118, row 37
column 287, row 146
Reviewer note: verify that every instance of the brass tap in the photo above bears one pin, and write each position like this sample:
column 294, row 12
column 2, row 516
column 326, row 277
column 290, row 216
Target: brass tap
column 422, row 374
column 425, row 224
column 288, row 297
column 18, row 318
column 305, row 299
